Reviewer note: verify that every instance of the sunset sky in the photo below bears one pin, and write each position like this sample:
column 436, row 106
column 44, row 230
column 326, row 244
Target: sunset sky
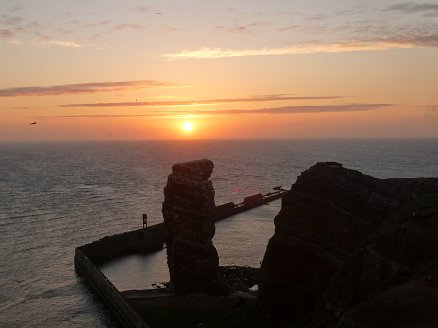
column 115, row 70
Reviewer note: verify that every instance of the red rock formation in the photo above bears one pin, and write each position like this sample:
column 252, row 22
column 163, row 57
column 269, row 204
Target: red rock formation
column 342, row 239
column 189, row 216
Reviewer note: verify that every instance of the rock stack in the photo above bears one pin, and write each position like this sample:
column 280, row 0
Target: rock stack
column 189, row 216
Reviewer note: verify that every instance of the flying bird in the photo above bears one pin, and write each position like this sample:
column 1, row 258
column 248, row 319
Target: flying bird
column 33, row 123
column 158, row 13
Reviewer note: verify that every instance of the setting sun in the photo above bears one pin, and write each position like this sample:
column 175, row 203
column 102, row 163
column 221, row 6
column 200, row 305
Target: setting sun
column 187, row 126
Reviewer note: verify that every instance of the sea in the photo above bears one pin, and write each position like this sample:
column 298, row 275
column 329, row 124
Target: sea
column 56, row 196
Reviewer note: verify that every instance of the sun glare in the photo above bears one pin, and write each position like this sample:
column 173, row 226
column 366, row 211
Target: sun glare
column 187, row 126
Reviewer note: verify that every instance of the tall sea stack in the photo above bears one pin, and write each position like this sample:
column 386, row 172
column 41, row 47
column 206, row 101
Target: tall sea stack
column 189, row 216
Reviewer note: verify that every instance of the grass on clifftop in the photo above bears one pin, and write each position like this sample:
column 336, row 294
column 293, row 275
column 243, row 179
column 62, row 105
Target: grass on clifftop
column 421, row 203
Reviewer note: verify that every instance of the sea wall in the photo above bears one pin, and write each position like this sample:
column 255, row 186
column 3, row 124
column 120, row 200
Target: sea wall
column 87, row 258
column 107, row 292
column 138, row 241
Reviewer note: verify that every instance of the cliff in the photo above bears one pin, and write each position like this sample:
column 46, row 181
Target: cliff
column 350, row 250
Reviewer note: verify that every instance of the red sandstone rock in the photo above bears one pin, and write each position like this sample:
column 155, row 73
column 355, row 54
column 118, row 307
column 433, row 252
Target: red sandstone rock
column 341, row 241
column 189, row 216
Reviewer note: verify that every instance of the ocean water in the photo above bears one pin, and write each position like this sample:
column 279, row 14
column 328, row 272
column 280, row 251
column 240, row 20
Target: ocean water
column 56, row 196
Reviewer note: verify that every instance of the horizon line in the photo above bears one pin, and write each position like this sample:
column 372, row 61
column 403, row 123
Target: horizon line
column 222, row 139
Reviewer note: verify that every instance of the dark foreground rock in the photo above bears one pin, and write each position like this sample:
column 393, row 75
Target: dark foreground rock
column 240, row 278
column 189, row 216
column 237, row 278
column 351, row 250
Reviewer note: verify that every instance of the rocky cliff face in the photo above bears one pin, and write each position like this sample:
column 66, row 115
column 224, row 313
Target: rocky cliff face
column 189, row 216
column 348, row 251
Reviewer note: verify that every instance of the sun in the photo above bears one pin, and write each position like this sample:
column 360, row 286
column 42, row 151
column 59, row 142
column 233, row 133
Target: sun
column 187, row 126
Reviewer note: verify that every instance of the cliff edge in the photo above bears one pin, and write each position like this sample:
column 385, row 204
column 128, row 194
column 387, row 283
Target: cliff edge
column 350, row 250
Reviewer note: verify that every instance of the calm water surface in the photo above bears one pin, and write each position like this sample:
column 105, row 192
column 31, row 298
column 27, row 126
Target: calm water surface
column 56, row 196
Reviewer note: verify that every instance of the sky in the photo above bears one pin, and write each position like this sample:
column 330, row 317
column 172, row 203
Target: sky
column 121, row 70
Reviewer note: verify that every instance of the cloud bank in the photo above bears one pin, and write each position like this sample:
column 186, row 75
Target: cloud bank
column 425, row 9
column 233, row 112
column 203, row 102
column 60, row 43
column 81, row 88
column 337, row 47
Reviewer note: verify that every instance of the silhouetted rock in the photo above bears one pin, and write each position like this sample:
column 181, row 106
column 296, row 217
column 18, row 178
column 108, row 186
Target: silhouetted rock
column 240, row 278
column 189, row 216
column 346, row 245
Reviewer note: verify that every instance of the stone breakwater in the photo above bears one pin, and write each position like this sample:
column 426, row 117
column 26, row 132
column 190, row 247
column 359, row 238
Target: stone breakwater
column 189, row 215
column 350, row 250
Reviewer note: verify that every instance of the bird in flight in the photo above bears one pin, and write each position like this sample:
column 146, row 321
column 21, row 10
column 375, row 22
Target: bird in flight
column 158, row 13
column 33, row 123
